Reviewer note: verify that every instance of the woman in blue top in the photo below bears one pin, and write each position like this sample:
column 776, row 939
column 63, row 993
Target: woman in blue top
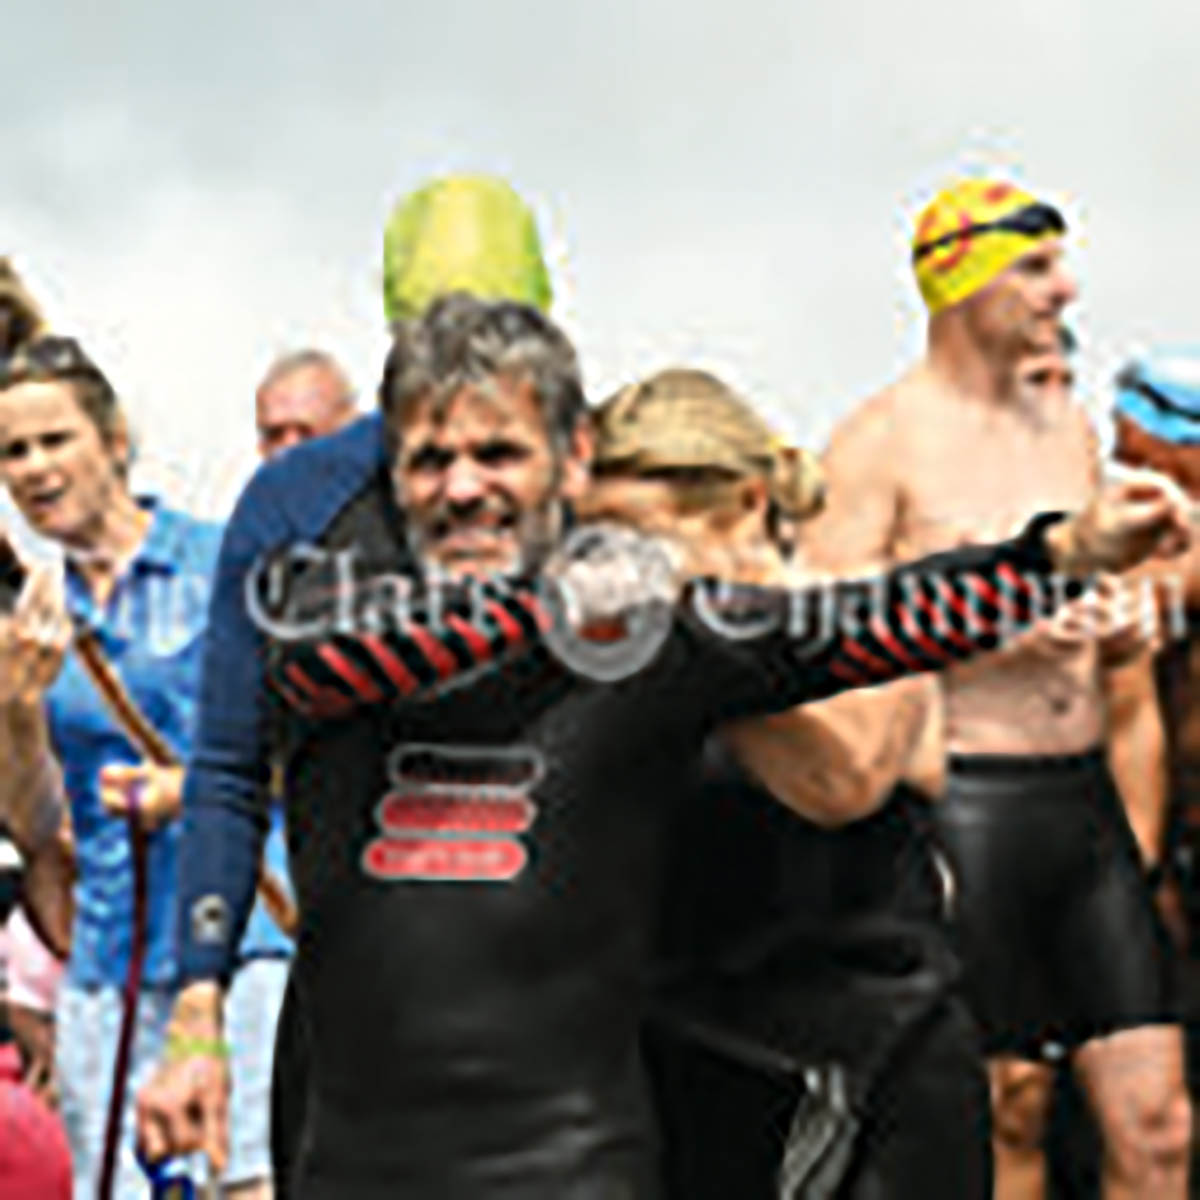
column 137, row 574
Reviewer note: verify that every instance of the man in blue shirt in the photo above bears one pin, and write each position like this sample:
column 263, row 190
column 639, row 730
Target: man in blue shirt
column 303, row 395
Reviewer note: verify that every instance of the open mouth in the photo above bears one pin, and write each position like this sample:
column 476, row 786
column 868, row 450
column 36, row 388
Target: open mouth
column 476, row 536
column 40, row 501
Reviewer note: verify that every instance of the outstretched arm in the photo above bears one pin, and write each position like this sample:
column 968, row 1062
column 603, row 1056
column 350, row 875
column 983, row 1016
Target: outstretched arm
column 764, row 648
column 836, row 761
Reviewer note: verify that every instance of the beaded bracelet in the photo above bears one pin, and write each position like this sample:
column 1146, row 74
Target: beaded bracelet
column 180, row 1047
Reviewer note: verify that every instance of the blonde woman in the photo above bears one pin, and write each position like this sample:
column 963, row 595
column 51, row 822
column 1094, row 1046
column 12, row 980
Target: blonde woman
column 791, row 903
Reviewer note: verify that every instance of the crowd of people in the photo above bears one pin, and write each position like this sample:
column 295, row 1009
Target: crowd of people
column 528, row 796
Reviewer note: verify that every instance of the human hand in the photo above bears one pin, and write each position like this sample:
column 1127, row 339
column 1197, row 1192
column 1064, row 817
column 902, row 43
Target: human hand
column 158, row 790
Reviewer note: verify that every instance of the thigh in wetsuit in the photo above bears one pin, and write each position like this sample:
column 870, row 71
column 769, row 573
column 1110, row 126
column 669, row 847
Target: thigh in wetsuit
column 1057, row 929
column 878, row 995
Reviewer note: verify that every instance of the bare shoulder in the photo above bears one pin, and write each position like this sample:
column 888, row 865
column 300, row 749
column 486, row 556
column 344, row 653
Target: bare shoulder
column 875, row 424
column 863, row 467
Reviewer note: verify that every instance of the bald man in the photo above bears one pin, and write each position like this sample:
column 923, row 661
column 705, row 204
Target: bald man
column 1061, row 943
column 304, row 394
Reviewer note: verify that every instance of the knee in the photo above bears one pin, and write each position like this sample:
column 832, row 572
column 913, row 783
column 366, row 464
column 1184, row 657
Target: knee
column 1020, row 1109
column 1150, row 1135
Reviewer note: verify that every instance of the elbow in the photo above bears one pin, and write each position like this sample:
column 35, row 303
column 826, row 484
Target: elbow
column 857, row 795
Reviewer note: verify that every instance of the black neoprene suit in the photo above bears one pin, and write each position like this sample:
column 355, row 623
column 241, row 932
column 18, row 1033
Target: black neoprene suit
column 477, row 1036
column 784, row 941
column 1060, row 939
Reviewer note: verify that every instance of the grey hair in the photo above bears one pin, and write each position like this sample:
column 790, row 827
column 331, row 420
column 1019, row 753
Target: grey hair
column 297, row 360
column 463, row 341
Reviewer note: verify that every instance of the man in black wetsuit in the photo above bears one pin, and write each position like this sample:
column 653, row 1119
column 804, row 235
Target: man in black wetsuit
column 473, row 816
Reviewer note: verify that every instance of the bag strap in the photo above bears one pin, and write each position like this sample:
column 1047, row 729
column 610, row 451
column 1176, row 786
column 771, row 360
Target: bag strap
column 151, row 744
column 133, row 722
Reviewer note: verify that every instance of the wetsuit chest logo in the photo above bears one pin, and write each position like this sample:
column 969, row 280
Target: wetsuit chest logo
column 455, row 814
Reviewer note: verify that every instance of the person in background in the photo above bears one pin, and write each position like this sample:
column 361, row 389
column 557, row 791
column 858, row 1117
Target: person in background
column 35, row 1160
column 828, row 913
column 304, row 394
column 137, row 576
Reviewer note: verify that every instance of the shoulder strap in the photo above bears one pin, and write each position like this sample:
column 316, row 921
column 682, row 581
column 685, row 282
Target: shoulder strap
column 136, row 726
column 151, row 744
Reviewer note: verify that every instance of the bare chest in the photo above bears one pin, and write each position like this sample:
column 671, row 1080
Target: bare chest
column 981, row 481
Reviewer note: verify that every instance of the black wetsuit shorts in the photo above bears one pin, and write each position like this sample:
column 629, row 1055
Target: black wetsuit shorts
column 1056, row 926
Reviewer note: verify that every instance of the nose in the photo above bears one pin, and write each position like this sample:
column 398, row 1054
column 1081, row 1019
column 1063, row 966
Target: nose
column 464, row 484
column 1066, row 287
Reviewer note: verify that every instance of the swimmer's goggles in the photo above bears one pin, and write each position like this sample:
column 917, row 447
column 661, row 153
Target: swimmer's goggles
column 1131, row 379
column 1034, row 220
column 48, row 358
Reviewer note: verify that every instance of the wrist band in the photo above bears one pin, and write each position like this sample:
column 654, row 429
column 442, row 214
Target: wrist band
column 180, row 1046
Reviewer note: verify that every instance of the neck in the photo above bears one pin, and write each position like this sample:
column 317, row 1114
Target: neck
column 966, row 367
column 100, row 551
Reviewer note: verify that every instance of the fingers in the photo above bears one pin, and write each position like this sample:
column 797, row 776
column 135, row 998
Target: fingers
column 116, row 781
column 1142, row 482
column 34, row 638
column 156, row 789
column 163, row 1125
column 215, row 1121
column 184, row 1110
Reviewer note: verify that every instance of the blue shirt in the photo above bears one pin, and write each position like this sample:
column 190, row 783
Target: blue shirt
column 152, row 630
column 290, row 499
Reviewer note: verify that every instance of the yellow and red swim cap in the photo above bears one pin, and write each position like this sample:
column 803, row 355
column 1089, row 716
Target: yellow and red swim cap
column 971, row 232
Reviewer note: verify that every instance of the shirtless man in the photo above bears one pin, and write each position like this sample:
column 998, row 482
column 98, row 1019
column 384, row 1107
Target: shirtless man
column 1158, row 426
column 1057, row 929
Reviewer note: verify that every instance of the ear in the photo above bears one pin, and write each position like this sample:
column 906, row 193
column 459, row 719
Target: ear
column 121, row 445
column 577, row 464
column 748, row 513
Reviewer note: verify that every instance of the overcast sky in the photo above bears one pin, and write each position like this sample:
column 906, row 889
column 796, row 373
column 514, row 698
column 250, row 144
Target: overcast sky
column 196, row 187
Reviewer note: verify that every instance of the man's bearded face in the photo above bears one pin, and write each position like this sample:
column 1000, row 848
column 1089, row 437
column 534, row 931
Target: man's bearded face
column 481, row 481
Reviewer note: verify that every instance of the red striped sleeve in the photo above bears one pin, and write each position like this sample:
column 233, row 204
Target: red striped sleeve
column 364, row 686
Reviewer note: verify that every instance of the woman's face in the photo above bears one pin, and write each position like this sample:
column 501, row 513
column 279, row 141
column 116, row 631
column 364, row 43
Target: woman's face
column 733, row 526
column 54, row 463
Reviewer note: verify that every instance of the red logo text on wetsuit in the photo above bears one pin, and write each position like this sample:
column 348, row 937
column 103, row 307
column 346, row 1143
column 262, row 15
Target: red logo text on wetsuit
column 455, row 814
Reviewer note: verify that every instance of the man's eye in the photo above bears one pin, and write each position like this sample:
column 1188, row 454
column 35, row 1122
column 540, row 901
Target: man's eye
column 497, row 454
column 430, row 458
column 1036, row 264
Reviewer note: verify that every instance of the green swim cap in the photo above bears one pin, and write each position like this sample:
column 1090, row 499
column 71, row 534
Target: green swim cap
column 469, row 233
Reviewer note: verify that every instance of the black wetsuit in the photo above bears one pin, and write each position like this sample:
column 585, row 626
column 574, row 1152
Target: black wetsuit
column 785, row 948
column 474, row 937
column 1060, row 939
